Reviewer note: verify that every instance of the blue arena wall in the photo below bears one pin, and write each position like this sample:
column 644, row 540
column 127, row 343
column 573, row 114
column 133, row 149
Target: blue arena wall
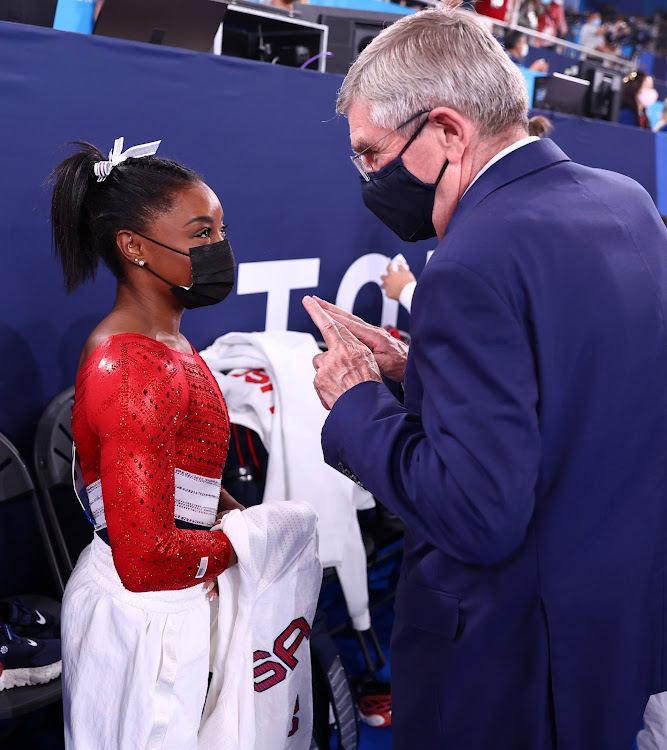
column 268, row 142
column 266, row 139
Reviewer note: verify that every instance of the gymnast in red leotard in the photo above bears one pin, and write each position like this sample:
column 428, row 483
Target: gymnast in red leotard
column 151, row 424
column 151, row 432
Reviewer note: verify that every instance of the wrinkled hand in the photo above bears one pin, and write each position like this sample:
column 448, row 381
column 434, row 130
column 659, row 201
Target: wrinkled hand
column 348, row 361
column 390, row 353
column 394, row 281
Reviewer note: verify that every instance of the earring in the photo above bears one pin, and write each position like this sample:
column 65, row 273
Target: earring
column 131, row 243
column 142, row 262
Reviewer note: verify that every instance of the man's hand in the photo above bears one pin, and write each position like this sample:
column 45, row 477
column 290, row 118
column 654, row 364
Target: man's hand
column 394, row 281
column 390, row 353
column 348, row 361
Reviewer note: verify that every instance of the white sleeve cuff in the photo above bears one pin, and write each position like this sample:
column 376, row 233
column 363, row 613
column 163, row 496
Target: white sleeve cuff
column 405, row 297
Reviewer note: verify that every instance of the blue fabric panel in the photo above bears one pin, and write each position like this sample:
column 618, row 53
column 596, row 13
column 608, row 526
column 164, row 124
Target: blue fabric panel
column 661, row 171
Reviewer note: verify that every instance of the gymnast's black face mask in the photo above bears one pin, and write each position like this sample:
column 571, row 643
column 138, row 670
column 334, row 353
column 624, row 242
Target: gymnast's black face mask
column 400, row 200
column 213, row 274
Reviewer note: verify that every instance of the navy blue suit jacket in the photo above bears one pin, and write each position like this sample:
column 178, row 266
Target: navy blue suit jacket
column 529, row 463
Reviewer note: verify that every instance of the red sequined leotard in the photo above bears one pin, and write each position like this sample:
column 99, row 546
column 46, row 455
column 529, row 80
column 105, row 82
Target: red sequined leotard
column 151, row 431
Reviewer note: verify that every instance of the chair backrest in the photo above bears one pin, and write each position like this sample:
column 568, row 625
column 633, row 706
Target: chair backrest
column 16, row 480
column 53, row 442
column 70, row 530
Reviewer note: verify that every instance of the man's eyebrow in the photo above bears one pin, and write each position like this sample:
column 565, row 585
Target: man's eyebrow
column 361, row 145
column 208, row 219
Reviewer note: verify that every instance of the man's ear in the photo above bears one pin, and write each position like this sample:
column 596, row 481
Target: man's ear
column 454, row 131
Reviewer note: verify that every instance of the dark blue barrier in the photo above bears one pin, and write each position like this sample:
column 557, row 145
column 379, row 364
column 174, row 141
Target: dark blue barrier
column 267, row 141
column 661, row 171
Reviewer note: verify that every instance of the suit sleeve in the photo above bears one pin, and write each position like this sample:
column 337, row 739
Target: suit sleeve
column 137, row 412
column 462, row 472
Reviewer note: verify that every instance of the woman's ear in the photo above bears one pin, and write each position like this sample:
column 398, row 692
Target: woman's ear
column 130, row 248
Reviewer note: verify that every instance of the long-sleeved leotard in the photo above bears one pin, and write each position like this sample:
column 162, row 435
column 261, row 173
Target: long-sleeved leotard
column 152, row 431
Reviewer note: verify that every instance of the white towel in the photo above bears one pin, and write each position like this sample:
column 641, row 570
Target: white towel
column 291, row 435
column 260, row 697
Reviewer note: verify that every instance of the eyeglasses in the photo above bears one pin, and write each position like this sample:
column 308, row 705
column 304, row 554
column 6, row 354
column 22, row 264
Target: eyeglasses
column 357, row 159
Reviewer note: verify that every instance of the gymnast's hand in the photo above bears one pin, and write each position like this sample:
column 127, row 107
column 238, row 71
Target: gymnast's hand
column 390, row 353
column 226, row 503
column 347, row 362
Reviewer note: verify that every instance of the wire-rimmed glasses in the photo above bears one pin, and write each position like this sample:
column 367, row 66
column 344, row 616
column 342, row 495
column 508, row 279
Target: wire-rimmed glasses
column 358, row 159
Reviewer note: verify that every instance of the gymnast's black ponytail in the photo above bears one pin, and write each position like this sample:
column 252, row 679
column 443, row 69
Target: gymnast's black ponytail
column 86, row 215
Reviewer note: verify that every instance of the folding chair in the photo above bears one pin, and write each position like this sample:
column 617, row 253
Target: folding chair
column 15, row 483
column 70, row 529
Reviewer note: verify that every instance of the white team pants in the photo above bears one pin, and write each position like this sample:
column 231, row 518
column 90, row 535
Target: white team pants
column 135, row 665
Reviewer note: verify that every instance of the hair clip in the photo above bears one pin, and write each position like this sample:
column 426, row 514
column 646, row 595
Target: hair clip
column 102, row 169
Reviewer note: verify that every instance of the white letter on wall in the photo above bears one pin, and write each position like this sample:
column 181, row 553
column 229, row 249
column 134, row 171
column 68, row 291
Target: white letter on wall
column 277, row 278
column 365, row 269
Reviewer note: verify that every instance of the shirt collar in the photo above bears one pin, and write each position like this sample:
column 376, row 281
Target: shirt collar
column 513, row 147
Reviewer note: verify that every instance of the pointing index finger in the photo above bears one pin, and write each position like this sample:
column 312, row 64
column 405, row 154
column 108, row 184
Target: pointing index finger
column 332, row 331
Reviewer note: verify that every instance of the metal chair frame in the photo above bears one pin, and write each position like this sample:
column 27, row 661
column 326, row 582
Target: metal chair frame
column 16, row 482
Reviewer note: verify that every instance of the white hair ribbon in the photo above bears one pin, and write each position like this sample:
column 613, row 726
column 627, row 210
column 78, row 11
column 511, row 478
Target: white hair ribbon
column 116, row 156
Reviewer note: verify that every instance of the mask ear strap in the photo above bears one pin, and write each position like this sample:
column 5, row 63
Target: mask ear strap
column 173, row 250
column 442, row 171
column 162, row 278
column 414, row 135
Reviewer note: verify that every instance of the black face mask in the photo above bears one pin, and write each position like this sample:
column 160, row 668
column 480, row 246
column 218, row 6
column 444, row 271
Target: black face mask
column 400, row 200
column 213, row 274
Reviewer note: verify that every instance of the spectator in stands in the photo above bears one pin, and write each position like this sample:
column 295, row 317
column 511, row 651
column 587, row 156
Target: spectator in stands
column 591, row 31
column 637, row 94
column 516, row 44
column 616, row 35
column 551, row 21
column 528, row 14
column 661, row 125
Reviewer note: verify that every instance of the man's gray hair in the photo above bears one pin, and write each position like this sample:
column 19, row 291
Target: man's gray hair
column 443, row 57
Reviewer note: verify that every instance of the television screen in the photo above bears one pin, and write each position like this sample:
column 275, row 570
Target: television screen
column 604, row 95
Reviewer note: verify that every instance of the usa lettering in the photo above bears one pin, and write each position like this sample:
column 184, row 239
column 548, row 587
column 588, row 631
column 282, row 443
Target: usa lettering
column 268, row 671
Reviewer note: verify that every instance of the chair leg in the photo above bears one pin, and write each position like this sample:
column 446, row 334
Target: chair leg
column 380, row 659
